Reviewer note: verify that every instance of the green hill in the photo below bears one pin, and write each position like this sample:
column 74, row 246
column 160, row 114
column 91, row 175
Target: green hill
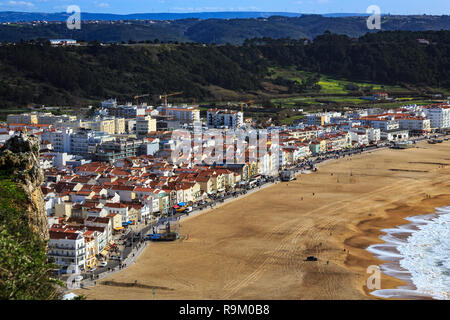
column 220, row 31
column 38, row 73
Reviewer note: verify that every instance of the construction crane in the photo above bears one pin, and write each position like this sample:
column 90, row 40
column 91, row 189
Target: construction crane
column 246, row 103
column 165, row 95
column 141, row 96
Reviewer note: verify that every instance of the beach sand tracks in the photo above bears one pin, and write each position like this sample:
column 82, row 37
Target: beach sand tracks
column 285, row 248
column 183, row 282
column 289, row 246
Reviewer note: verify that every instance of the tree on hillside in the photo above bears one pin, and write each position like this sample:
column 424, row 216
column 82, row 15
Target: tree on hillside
column 25, row 273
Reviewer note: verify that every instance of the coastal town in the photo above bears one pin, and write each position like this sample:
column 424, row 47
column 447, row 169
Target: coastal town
column 117, row 179
column 234, row 159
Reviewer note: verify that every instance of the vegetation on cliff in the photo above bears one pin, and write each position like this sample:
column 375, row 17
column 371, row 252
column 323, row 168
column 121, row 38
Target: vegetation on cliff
column 24, row 268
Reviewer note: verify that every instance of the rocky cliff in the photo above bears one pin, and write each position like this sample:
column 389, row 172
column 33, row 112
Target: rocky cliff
column 21, row 176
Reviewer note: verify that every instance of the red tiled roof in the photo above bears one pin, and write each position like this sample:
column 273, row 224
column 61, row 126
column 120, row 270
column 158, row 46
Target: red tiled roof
column 56, row 235
column 115, row 205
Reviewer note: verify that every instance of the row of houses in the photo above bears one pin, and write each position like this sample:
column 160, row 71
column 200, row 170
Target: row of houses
column 79, row 243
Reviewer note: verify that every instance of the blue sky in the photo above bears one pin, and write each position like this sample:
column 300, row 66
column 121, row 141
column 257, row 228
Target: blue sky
column 304, row 6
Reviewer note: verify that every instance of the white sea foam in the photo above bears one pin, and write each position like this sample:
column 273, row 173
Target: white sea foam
column 421, row 257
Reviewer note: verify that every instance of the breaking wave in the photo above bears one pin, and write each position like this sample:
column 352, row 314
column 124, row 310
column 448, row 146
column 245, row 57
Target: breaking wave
column 419, row 254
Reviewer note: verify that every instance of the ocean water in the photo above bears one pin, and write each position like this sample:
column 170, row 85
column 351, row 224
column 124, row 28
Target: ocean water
column 419, row 254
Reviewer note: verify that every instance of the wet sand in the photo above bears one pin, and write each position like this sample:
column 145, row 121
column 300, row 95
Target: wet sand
column 255, row 247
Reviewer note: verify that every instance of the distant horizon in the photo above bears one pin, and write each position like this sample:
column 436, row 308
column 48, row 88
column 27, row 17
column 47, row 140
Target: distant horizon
column 229, row 11
column 398, row 7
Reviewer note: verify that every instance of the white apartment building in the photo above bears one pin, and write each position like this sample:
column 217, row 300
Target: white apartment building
column 439, row 116
column 62, row 158
column 67, row 247
column 81, row 143
column 395, row 135
column 147, row 197
column 128, row 111
column 49, row 118
column 360, row 138
column 184, row 114
column 217, row 118
column 320, row 119
column 60, row 139
column 102, row 229
column 85, row 142
column 101, row 237
column 373, row 134
column 385, row 125
column 118, row 208
column 415, row 124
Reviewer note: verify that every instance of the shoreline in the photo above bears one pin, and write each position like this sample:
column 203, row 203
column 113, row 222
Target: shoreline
column 260, row 252
column 376, row 226
column 389, row 251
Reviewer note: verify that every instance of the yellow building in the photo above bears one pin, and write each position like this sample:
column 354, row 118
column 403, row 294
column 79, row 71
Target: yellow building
column 195, row 191
column 207, row 184
column 323, row 144
column 253, row 168
column 91, row 250
column 103, row 125
column 229, row 179
column 116, row 220
column 218, row 180
column 164, row 201
column 133, row 215
column 119, row 125
column 145, row 125
column 318, row 146
column 304, row 134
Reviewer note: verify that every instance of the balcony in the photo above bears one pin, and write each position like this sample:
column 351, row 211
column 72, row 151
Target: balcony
column 60, row 254
column 56, row 246
column 65, row 254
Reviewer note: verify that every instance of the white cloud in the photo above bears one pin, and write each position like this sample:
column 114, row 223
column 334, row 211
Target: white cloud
column 21, row 3
column 102, row 5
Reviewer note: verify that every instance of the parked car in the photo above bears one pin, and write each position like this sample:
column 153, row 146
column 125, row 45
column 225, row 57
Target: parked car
column 103, row 264
column 188, row 209
column 78, row 278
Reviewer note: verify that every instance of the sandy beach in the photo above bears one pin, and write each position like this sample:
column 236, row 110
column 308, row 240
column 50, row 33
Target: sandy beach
column 255, row 247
